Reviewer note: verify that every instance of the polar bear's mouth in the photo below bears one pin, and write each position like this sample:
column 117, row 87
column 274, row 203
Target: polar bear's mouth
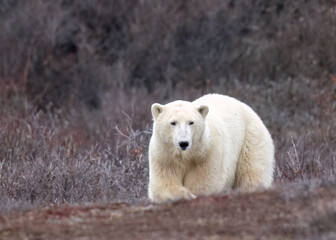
column 184, row 145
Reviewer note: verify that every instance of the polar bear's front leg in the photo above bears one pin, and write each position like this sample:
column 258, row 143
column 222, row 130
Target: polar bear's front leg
column 165, row 183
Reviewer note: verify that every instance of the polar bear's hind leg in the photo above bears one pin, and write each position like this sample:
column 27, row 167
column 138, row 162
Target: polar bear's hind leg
column 255, row 165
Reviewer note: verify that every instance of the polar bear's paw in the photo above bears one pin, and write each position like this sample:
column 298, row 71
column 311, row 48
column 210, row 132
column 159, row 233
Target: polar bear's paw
column 173, row 194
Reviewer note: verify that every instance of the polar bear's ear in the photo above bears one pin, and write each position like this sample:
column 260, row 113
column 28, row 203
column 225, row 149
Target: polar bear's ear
column 156, row 110
column 203, row 110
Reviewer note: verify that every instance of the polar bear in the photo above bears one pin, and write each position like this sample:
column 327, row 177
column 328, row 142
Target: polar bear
column 203, row 147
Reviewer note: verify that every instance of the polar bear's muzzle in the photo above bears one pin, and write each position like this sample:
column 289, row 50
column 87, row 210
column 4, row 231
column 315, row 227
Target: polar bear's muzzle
column 182, row 136
column 184, row 145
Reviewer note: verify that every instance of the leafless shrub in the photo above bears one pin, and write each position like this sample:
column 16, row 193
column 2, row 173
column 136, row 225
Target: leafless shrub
column 44, row 163
column 306, row 160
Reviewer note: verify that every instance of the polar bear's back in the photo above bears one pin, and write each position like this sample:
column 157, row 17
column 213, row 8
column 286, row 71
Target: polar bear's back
column 229, row 109
column 217, row 103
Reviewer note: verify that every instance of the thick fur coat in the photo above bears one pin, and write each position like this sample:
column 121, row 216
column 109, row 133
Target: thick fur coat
column 206, row 146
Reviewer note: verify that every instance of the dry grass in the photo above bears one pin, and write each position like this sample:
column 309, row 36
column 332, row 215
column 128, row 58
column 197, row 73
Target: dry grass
column 56, row 158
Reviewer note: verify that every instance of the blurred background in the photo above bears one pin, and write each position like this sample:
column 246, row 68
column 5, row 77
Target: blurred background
column 78, row 78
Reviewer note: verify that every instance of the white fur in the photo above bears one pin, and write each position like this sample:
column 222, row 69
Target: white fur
column 229, row 147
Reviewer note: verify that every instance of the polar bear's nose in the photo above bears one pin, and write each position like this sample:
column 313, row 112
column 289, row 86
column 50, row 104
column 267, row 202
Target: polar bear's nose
column 183, row 145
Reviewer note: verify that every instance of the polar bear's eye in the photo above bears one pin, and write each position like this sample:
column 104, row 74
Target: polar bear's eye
column 173, row 123
column 191, row 123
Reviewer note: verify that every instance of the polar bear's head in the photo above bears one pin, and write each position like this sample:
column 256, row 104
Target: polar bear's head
column 179, row 123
